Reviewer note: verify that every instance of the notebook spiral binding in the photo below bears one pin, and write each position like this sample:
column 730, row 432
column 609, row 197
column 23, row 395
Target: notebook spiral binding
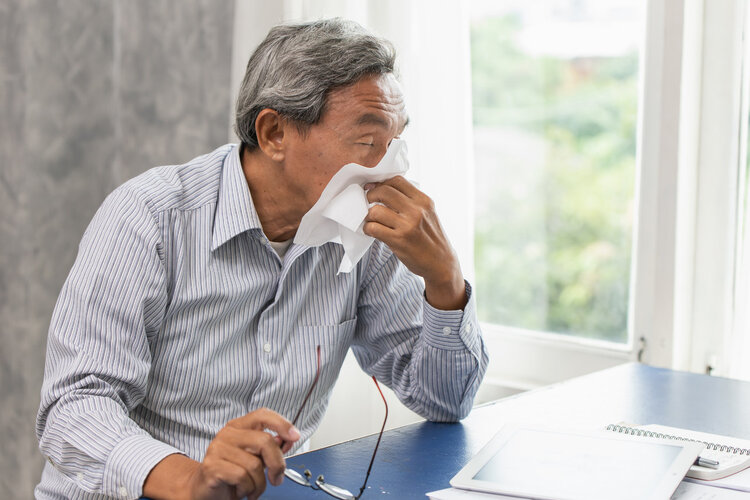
column 624, row 429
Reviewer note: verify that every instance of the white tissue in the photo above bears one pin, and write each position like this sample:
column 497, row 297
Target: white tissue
column 340, row 212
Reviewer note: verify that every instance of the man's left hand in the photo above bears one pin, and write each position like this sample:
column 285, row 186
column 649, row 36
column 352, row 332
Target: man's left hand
column 406, row 222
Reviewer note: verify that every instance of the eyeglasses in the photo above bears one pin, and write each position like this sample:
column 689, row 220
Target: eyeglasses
column 320, row 482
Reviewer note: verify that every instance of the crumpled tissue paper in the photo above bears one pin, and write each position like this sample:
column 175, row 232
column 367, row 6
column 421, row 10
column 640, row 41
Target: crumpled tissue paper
column 340, row 212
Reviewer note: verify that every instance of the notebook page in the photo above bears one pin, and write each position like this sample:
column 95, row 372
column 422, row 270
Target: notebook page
column 692, row 491
column 739, row 481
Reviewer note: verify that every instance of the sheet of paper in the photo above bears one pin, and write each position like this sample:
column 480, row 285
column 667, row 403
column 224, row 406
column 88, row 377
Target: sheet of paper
column 685, row 491
column 457, row 494
column 339, row 213
column 693, row 491
column 739, row 481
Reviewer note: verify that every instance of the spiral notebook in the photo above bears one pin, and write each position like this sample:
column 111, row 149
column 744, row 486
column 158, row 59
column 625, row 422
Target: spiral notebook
column 732, row 454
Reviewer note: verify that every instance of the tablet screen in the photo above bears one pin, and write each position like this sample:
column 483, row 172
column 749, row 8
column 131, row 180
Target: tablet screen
column 552, row 464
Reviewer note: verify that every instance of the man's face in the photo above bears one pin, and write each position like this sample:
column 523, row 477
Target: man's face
column 357, row 125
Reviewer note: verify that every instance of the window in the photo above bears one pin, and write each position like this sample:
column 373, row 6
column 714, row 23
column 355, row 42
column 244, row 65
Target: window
column 555, row 112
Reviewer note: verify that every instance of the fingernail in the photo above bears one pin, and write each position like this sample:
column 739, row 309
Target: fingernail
column 294, row 433
column 369, row 186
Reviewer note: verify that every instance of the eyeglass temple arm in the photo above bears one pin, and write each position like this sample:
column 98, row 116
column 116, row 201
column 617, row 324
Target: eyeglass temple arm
column 312, row 386
column 309, row 392
column 372, row 460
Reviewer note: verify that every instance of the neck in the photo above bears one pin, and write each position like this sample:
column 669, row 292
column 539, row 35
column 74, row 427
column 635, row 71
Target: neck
column 274, row 199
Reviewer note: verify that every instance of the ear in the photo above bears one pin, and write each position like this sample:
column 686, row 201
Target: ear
column 270, row 128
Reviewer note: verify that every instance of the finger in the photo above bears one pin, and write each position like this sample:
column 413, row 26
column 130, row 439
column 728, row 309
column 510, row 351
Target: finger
column 383, row 233
column 252, row 464
column 384, row 216
column 400, row 183
column 267, row 419
column 389, row 196
column 284, row 445
column 251, row 496
column 230, row 474
column 258, row 443
column 250, row 485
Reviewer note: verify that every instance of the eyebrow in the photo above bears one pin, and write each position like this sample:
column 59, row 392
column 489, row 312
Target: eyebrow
column 372, row 119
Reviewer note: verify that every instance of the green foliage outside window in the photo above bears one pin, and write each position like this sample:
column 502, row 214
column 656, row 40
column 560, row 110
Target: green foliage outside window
column 558, row 260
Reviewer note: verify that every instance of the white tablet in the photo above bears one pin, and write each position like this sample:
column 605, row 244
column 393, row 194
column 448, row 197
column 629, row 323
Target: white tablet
column 554, row 464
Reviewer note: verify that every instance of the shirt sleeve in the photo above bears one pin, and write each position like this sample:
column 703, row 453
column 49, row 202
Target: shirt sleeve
column 98, row 357
column 434, row 360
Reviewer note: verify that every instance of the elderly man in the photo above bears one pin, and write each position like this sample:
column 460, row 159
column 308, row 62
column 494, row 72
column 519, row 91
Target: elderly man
column 188, row 327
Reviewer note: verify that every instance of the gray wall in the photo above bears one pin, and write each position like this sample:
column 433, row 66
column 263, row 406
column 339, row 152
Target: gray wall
column 92, row 92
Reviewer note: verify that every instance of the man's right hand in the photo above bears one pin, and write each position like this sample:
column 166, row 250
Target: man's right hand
column 234, row 465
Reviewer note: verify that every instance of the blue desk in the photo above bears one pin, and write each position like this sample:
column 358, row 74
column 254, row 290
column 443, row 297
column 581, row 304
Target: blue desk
column 422, row 457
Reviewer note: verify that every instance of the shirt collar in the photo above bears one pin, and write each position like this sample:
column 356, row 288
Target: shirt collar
column 235, row 212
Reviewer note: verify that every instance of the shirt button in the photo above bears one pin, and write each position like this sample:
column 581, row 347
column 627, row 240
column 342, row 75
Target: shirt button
column 80, row 476
column 446, row 330
column 267, row 347
column 469, row 328
column 123, row 492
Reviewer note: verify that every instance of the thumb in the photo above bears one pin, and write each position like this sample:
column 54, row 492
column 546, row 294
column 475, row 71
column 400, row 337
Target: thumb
column 287, row 438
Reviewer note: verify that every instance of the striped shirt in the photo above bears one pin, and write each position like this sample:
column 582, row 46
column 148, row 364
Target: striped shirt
column 178, row 316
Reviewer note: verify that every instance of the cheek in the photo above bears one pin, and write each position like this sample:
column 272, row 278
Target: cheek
column 322, row 171
column 316, row 165
column 365, row 156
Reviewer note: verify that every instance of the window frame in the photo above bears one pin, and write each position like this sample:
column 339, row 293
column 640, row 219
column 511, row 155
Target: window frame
column 556, row 356
column 708, row 313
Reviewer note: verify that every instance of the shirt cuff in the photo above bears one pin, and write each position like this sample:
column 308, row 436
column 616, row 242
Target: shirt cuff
column 129, row 464
column 452, row 330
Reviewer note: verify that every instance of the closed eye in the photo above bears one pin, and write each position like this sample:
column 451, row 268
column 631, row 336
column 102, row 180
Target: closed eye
column 365, row 140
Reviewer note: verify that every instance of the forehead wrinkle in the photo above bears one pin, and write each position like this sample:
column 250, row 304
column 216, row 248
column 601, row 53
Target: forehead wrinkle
column 362, row 103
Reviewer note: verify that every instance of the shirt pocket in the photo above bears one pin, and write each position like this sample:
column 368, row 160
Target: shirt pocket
column 334, row 342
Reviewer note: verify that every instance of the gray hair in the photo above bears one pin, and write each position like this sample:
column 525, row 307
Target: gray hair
column 295, row 68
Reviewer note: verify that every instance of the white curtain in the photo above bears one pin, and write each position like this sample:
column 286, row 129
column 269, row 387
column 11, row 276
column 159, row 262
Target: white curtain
column 432, row 43
column 737, row 345
column 739, row 340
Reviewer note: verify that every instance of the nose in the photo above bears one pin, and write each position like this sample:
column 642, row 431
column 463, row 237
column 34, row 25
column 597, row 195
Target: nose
column 377, row 156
